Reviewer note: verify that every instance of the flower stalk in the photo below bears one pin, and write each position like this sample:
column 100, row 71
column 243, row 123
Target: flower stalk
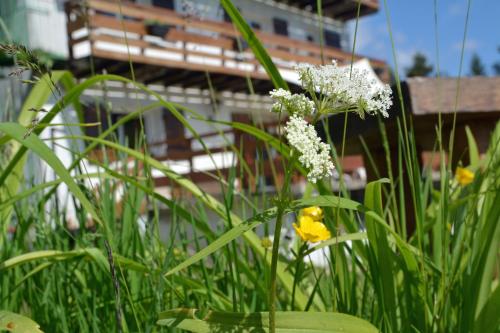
column 332, row 90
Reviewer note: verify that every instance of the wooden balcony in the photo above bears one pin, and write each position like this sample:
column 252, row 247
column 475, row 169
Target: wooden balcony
column 258, row 158
column 337, row 9
column 183, row 55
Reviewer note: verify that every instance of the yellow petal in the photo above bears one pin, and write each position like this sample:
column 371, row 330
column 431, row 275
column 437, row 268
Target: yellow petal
column 306, row 223
column 299, row 232
column 321, row 232
column 315, row 212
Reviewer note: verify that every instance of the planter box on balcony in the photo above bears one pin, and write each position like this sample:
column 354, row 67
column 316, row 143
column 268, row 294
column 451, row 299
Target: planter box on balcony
column 159, row 30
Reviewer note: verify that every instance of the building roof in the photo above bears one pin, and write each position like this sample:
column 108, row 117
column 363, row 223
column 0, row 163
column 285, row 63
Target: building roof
column 433, row 95
column 337, row 9
column 362, row 65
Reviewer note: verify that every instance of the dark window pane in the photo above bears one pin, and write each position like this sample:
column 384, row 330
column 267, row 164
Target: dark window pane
column 98, row 114
column 164, row 3
column 226, row 16
column 280, row 26
column 175, row 133
column 255, row 25
column 132, row 129
column 332, row 38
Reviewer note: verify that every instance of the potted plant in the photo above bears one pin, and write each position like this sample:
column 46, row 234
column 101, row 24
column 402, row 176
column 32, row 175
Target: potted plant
column 156, row 28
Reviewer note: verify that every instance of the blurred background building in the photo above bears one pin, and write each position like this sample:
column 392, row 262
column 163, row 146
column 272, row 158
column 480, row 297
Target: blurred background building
column 189, row 53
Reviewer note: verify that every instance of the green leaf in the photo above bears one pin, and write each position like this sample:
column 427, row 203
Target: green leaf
column 381, row 262
column 54, row 256
column 258, row 50
column 15, row 323
column 473, row 150
column 226, row 238
column 286, row 322
column 488, row 319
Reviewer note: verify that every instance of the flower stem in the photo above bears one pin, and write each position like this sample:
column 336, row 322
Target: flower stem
column 282, row 202
column 274, row 265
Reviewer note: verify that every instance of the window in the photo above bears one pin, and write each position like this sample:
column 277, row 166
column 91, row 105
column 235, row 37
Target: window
column 255, row 25
column 175, row 133
column 280, row 26
column 169, row 4
column 332, row 38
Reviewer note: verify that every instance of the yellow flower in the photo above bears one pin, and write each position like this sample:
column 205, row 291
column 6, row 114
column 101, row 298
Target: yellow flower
column 313, row 212
column 310, row 230
column 464, row 176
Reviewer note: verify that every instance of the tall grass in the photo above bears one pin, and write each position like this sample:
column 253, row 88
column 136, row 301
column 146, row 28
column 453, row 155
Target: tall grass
column 111, row 274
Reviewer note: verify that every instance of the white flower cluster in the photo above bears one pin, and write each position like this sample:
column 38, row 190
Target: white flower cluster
column 291, row 103
column 345, row 90
column 314, row 154
column 334, row 90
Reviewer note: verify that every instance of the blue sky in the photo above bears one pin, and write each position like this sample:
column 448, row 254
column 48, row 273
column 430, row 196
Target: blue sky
column 413, row 30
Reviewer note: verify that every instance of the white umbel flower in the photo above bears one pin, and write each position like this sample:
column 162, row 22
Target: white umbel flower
column 314, row 154
column 291, row 103
column 345, row 90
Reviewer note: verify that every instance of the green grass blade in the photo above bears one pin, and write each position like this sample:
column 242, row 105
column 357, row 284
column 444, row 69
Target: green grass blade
column 488, row 319
column 382, row 264
column 36, row 145
column 286, row 322
column 226, row 238
column 473, row 150
column 13, row 173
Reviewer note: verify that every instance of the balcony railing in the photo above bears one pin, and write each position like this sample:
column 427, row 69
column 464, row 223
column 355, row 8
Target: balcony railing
column 113, row 34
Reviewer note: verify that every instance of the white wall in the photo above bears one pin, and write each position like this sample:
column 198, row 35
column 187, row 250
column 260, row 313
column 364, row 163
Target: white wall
column 47, row 26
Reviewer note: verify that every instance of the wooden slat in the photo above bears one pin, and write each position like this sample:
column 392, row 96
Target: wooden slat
column 102, row 21
column 182, row 155
column 179, row 35
column 146, row 45
column 119, row 40
column 176, row 64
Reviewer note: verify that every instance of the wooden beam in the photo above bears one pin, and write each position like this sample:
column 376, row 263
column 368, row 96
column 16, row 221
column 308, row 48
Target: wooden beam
column 175, row 79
